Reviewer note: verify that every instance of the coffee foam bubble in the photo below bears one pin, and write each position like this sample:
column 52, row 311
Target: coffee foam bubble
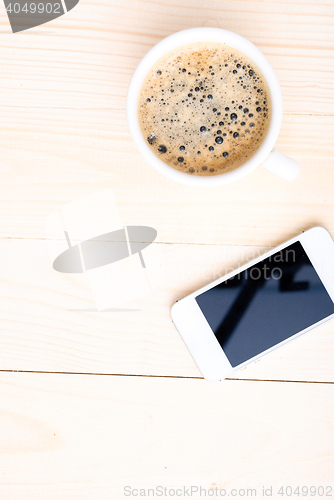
column 204, row 109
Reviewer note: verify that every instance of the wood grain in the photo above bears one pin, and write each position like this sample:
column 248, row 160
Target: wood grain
column 49, row 320
column 86, row 59
column 88, row 437
column 51, row 157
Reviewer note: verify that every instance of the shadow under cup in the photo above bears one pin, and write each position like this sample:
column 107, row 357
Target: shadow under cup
column 202, row 36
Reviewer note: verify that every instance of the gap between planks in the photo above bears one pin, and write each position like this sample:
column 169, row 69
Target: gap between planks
column 164, row 376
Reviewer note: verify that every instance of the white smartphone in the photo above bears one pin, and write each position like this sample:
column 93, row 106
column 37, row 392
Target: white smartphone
column 260, row 306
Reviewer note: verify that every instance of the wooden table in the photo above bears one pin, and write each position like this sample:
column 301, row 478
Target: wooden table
column 92, row 401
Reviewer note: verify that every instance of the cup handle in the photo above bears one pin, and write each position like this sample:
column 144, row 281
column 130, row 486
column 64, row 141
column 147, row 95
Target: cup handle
column 282, row 165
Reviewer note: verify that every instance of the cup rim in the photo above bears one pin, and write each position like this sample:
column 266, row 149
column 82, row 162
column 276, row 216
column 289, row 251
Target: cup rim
column 194, row 35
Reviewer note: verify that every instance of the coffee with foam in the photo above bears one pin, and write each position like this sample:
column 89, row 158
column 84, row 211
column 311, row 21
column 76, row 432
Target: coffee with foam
column 204, row 108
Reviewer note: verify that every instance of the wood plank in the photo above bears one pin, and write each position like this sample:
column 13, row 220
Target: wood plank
column 86, row 58
column 50, row 157
column 88, row 437
column 49, row 321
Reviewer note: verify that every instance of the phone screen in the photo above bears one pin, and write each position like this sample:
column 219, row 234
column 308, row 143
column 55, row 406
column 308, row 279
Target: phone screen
column 265, row 304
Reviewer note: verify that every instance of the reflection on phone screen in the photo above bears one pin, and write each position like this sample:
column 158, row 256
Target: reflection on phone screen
column 265, row 304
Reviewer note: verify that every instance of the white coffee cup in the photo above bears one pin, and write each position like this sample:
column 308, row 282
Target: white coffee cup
column 266, row 155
